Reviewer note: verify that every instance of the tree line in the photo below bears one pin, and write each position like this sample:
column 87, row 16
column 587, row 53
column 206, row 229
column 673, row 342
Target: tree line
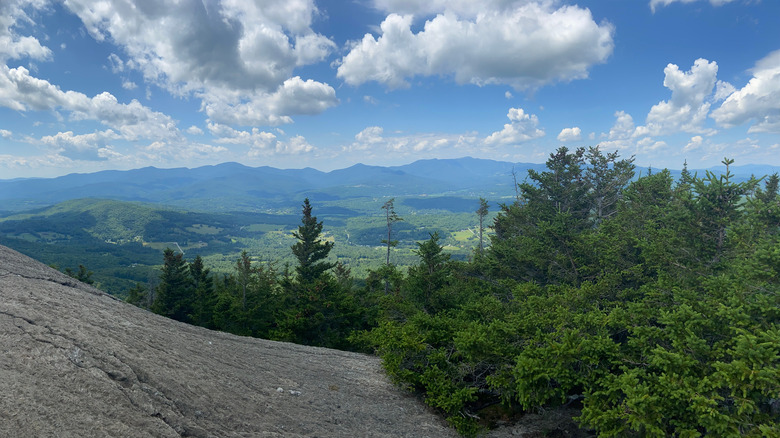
column 650, row 303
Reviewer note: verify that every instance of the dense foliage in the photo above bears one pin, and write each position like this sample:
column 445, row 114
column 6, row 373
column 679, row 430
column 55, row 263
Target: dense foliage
column 651, row 303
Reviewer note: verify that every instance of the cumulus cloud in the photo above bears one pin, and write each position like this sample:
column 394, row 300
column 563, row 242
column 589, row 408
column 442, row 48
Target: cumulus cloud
column 22, row 92
column 372, row 142
column 13, row 45
column 194, row 130
column 688, row 107
column 5, row 133
column 294, row 96
column 522, row 128
column 218, row 48
column 295, row 146
column 369, row 136
column 655, row 3
column 81, row 147
column 189, row 45
column 696, row 142
column 621, row 133
column 570, row 134
column 522, row 44
column 260, row 142
column 758, row 101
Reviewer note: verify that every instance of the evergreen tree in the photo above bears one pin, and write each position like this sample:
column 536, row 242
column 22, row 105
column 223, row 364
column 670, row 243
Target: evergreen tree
column 606, row 177
column 716, row 208
column 137, row 296
column 312, row 311
column 175, row 293
column 205, row 296
column 310, row 250
column 244, row 276
column 430, row 276
column 482, row 213
column 392, row 218
column 83, row 275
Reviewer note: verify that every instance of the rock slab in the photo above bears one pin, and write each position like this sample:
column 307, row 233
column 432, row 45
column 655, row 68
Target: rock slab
column 76, row 362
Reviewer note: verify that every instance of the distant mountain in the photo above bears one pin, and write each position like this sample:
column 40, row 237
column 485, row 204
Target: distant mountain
column 469, row 173
column 232, row 186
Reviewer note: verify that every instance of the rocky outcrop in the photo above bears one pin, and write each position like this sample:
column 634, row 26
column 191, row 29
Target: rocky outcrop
column 76, row 362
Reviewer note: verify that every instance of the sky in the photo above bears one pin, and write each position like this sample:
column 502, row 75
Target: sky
column 89, row 85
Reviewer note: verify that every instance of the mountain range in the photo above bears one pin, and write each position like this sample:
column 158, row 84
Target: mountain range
column 233, row 186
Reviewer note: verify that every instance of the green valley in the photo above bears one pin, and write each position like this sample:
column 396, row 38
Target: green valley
column 122, row 242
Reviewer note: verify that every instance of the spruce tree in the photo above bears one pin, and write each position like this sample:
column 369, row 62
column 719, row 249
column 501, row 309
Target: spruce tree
column 310, row 250
column 175, row 294
column 205, row 297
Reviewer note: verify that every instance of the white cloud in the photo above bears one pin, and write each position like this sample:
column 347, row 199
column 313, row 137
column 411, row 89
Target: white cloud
column 129, row 85
column 178, row 151
column 5, row 133
column 373, row 143
column 22, row 92
column 116, row 63
column 369, row 136
column 194, row 130
column 190, row 45
column 220, row 51
column 647, row 145
column 759, row 100
column 294, row 96
column 508, row 95
column 13, row 45
column 688, row 107
column 526, row 45
column 621, row 133
column 656, row 3
column 696, row 142
column 570, row 134
column 294, row 146
column 522, row 128
column 260, row 143
column 723, row 90
column 80, row 147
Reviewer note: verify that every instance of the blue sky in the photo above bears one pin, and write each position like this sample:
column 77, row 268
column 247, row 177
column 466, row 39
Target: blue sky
column 88, row 85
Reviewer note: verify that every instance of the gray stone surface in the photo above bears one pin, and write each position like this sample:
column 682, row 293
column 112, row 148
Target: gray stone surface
column 76, row 362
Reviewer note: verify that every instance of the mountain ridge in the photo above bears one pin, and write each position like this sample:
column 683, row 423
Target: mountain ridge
column 236, row 186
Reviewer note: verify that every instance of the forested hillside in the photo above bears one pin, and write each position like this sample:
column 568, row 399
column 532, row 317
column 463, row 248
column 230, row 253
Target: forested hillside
column 651, row 303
